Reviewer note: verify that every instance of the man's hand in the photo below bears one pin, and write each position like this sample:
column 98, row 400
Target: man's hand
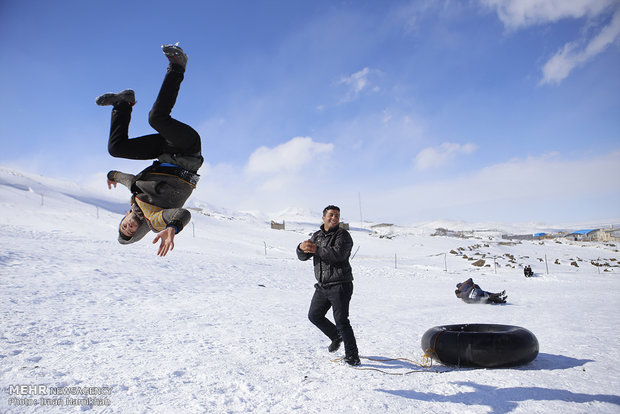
column 308, row 247
column 111, row 184
column 167, row 241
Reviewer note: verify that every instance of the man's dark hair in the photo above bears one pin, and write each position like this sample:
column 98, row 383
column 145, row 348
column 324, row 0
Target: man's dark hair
column 124, row 237
column 331, row 207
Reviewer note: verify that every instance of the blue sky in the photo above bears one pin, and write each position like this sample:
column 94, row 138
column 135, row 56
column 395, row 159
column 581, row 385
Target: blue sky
column 479, row 110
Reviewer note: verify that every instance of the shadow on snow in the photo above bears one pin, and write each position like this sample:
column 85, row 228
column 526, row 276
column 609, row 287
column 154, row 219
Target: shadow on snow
column 505, row 400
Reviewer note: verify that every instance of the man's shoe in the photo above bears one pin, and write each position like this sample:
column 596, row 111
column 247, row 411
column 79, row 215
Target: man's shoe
column 352, row 360
column 175, row 55
column 335, row 345
column 127, row 95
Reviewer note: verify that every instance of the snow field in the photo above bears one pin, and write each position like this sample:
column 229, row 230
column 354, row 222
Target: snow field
column 220, row 325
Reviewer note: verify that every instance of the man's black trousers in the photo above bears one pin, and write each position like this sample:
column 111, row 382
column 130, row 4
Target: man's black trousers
column 338, row 298
column 174, row 137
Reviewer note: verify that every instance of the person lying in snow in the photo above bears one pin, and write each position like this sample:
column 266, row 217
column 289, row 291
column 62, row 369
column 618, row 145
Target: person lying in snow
column 470, row 292
column 159, row 191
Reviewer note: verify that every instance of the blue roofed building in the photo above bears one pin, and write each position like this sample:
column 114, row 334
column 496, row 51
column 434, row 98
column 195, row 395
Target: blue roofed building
column 584, row 235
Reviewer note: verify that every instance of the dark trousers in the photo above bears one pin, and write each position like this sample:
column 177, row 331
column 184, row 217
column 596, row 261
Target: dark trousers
column 338, row 298
column 173, row 137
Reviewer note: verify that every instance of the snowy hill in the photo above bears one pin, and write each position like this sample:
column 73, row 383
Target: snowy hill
column 220, row 324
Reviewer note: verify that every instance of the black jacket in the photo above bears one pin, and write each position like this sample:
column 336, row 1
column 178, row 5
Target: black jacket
column 470, row 292
column 162, row 188
column 331, row 260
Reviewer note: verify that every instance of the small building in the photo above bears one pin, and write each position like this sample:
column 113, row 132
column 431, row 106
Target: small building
column 278, row 226
column 584, row 235
column 607, row 235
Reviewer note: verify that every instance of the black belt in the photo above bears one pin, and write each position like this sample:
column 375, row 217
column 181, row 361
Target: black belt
column 177, row 171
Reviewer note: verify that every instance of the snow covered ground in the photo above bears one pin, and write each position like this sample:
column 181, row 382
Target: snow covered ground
column 220, row 325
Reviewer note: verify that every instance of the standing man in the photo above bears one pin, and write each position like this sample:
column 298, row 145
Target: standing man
column 159, row 191
column 330, row 248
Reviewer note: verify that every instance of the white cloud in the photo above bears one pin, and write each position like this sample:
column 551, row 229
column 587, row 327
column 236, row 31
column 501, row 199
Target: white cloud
column 542, row 188
column 535, row 188
column 356, row 83
column 572, row 55
column 438, row 156
column 410, row 14
column 294, row 173
column 523, row 13
column 519, row 13
column 286, row 158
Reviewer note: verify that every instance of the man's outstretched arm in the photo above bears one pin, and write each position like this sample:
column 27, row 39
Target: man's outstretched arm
column 176, row 219
column 119, row 177
column 167, row 241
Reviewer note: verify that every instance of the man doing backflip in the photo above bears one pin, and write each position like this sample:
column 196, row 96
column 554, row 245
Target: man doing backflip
column 159, row 191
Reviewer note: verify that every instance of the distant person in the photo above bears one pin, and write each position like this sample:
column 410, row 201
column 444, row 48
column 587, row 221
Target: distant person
column 330, row 248
column 527, row 271
column 470, row 292
column 159, row 191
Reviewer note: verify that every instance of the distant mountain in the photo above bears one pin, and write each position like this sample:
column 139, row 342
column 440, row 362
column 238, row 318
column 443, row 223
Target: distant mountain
column 45, row 187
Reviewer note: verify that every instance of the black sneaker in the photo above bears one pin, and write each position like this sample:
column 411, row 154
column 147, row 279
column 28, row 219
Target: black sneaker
column 175, row 55
column 127, row 95
column 335, row 345
column 353, row 360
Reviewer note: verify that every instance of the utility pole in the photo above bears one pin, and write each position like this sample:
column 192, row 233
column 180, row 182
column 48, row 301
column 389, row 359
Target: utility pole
column 359, row 196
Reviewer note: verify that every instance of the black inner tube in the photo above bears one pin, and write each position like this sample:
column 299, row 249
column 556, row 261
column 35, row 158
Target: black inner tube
column 480, row 345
